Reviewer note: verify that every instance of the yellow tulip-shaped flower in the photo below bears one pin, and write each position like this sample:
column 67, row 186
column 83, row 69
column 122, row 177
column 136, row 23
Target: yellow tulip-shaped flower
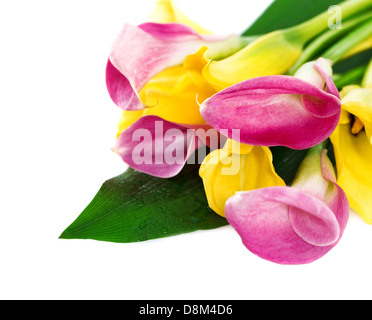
column 236, row 167
column 274, row 53
column 352, row 142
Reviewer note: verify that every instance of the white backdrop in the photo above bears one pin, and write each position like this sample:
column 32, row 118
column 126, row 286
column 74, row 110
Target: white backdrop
column 58, row 125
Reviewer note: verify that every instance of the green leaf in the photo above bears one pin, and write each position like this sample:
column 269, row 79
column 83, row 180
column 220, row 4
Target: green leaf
column 283, row 14
column 136, row 207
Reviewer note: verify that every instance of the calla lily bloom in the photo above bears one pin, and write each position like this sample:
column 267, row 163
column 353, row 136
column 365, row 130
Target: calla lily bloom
column 271, row 54
column 172, row 95
column 157, row 147
column 352, row 142
column 293, row 225
column 295, row 112
column 140, row 53
column 235, row 168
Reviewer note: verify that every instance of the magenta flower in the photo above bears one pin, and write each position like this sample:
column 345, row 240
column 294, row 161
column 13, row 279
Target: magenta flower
column 296, row 225
column 161, row 148
column 140, row 53
column 296, row 112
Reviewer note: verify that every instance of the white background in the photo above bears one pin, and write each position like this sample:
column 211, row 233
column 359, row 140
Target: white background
column 58, row 125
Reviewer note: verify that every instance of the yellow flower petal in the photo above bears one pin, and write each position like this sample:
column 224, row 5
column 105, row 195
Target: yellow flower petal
column 354, row 158
column 345, row 117
column 272, row 54
column 194, row 64
column 172, row 95
column 166, row 12
column 127, row 119
column 347, row 89
column 367, row 80
column 224, row 173
column 358, row 102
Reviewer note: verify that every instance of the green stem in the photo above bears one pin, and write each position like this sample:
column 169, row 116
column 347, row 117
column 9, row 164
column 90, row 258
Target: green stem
column 318, row 148
column 224, row 49
column 309, row 174
column 311, row 28
column 325, row 39
column 367, row 80
column 351, row 77
column 338, row 51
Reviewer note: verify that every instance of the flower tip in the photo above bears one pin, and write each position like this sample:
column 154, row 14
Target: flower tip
column 284, row 224
column 323, row 61
column 203, row 105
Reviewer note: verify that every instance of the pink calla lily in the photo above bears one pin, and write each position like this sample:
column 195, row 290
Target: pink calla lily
column 157, row 147
column 293, row 225
column 140, row 53
column 296, row 112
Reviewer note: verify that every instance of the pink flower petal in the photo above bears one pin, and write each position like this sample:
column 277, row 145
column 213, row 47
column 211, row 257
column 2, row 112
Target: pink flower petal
column 140, row 53
column 316, row 224
column 275, row 111
column 263, row 220
column 157, row 147
column 120, row 89
column 330, row 85
column 314, row 105
column 335, row 198
column 296, row 225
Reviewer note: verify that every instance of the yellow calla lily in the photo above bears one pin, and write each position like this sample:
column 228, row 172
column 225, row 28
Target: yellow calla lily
column 359, row 103
column 274, row 53
column 235, row 168
column 271, row 54
column 166, row 12
column 352, row 141
column 173, row 95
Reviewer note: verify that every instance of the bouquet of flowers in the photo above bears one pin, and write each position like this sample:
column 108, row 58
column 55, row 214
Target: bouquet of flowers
column 269, row 131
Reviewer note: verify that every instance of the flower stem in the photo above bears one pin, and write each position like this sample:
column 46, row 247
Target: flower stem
column 224, row 49
column 311, row 28
column 326, row 38
column 338, row 51
column 367, row 80
column 309, row 174
column 350, row 77
column 319, row 148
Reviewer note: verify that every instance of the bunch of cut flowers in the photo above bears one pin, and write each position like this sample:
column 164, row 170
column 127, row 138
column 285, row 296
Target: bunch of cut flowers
column 269, row 131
